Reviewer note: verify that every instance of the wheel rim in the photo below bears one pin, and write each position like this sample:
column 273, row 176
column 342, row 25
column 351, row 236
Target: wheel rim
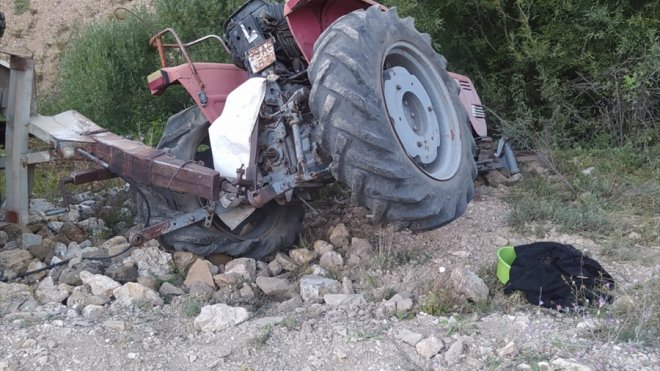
column 421, row 111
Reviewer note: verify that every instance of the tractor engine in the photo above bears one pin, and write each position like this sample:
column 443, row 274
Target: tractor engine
column 255, row 22
column 288, row 143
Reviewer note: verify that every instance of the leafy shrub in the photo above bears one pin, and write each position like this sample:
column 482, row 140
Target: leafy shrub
column 573, row 71
column 103, row 73
column 581, row 70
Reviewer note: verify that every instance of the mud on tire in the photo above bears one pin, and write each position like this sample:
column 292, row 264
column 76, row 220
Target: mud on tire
column 266, row 230
column 347, row 74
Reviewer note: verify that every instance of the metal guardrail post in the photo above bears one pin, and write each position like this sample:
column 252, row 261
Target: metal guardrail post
column 16, row 138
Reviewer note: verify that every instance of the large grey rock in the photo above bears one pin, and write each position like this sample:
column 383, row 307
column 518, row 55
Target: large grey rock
column 169, row 289
column 72, row 232
column 285, row 262
column 273, row 285
column 59, row 249
column 34, row 266
column 456, row 350
column 55, row 226
column 114, row 241
column 214, row 318
column 246, row 291
column 409, row 337
column 302, row 256
column 467, row 283
column 71, row 275
column 313, row 288
column 347, row 286
column 400, row 302
column 429, row 347
column 246, row 268
column 133, row 293
column 274, row 268
column 183, row 260
column 199, row 273
column 340, row 236
column 73, row 216
column 361, row 250
column 43, row 252
column 331, row 260
column 47, row 292
column 28, row 240
column 321, row 247
column 291, row 304
column 151, row 261
column 225, row 279
column 15, row 260
column 99, row 284
column 122, row 273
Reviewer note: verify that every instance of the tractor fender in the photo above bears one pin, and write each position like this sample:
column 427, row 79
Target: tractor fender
column 307, row 19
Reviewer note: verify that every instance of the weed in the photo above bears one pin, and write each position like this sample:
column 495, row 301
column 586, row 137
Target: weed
column 264, row 335
column 290, row 323
column 404, row 315
column 619, row 196
column 192, row 307
column 21, row 6
column 437, row 304
column 633, row 318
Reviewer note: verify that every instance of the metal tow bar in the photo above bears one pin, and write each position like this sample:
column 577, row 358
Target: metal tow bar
column 203, row 214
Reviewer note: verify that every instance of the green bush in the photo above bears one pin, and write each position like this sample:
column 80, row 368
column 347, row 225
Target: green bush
column 561, row 72
column 579, row 70
column 103, row 72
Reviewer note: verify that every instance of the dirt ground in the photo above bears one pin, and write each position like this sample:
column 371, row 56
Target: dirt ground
column 43, row 28
column 317, row 336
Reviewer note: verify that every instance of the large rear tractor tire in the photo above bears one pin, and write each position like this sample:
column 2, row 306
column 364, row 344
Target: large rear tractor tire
column 268, row 229
column 392, row 121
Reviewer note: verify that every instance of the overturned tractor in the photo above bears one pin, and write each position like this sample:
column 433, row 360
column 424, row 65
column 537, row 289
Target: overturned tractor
column 319, row 91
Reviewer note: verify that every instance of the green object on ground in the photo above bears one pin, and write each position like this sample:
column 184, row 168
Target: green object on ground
column 506, row 255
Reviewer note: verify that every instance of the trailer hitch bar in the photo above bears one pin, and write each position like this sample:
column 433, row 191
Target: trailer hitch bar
column 204, row 214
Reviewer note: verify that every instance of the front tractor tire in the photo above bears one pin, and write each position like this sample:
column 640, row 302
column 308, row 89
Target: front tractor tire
column 268, row 229
column 392, row 121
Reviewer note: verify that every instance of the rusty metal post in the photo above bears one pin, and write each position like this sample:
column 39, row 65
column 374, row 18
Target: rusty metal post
column 16, row 139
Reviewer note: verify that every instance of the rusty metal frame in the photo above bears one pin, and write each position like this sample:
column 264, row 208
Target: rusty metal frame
column 73, row 136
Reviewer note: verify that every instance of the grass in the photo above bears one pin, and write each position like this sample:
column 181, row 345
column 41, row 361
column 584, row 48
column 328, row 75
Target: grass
column 192, row 307
column 21, row 6
column 633, row 319
column 442, row 300
column 290, row 323
column 265, row 334
column 621, row 195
